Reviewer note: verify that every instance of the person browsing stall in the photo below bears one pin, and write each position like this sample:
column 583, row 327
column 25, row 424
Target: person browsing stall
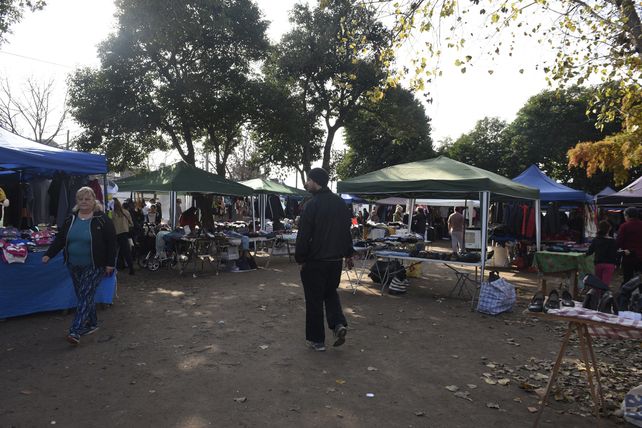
column 323, row 241
column 605, row 250
column 122, row 223
column 629, row 240
column 456, row 230
column 88, row 241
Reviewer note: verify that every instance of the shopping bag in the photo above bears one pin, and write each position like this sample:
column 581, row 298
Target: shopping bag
column 496, row 297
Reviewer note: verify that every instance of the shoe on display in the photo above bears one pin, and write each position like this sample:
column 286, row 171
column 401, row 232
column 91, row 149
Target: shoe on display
column 340, row 332
column 567, row 299
column 553, row 301
column 537, row 303
column 317, row 346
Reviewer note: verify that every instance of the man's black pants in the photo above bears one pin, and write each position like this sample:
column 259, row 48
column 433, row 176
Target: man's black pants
column 630, row 265
column 320, row 283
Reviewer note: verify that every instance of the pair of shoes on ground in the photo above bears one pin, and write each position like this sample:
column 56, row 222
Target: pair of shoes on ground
column 340, row 332
column 553, row 302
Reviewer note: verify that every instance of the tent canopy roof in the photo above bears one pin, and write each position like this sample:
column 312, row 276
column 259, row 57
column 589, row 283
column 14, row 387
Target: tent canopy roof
column 20, row 154
column 263, row 185
column 630, row 194
column 440, row 177
column 182, row 177
column 549, row 189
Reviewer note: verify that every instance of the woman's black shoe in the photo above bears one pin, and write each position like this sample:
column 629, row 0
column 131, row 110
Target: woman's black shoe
column 537, row 303
column 567, row 299
column 553, row 301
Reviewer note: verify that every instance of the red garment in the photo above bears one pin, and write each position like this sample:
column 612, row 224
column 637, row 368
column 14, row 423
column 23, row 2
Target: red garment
column 524, row 219
column 189, row 218
column 629, row 237
column 530, row 225
column 95, row 186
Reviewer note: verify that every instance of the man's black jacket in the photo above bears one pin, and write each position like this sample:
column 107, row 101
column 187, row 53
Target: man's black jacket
column 324, row 229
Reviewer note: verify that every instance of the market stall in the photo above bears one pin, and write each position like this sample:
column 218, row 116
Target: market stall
column 267, row 192
column 184, row 178
column 40, row 182
column 631, row 195
column 441, row 178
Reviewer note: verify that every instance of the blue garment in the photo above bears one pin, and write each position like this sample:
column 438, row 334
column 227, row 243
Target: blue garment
column 79, row 243
column 85, row 280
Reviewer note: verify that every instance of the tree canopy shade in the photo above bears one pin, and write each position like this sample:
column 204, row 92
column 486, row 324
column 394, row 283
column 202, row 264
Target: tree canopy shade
column 182, row 177
column 631, row 194
column 18, row 153
column 549, row 189
column 440, row 177
column 265, row 186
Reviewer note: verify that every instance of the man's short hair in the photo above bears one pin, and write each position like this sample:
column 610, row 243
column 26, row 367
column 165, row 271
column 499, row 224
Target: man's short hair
column 632, row 212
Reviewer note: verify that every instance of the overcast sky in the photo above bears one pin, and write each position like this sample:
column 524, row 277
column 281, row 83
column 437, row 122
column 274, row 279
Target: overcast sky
column 52, row 42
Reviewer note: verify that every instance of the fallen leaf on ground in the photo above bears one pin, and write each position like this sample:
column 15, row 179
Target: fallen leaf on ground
column 490, row 381
column 240, row 399
column 471, row 386
column 26, row 392
column 503, row 381
column 264, row 347
column 492, row 405
column 532, row 409
column 372, row 369
column 463, row 394
column 420, row 413
column 452, row 388
column 340, row 381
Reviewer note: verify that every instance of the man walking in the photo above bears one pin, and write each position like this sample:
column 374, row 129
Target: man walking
column 323, row 240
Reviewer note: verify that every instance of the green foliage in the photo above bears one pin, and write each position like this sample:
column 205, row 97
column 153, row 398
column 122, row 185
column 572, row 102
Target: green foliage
column 173, row 72
column 551, row 123
column 388, row 132
column 332, row 59
column 485, row 146
column 11, row 12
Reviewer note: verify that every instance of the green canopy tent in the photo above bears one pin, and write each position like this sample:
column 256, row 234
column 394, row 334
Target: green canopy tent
column 263, row 187
column 184, row 178
column 442, row 177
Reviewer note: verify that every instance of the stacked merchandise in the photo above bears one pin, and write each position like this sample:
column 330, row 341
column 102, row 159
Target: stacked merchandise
column 17, row 244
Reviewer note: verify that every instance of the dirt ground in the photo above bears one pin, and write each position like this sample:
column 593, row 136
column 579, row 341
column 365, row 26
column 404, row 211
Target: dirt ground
column 229, row 350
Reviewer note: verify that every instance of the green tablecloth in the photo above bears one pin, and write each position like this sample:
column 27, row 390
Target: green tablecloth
column 551, row 262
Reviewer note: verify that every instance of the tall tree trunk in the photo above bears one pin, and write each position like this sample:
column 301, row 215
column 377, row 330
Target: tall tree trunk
column 327, row 148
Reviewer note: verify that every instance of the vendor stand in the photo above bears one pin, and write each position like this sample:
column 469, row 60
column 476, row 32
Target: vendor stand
column 186, row 179
column 442, row 178
column 31, row 286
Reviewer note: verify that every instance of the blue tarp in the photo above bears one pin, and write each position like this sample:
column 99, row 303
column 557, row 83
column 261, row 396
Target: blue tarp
column 21, row 154
column 31, row 287
column 549, row 189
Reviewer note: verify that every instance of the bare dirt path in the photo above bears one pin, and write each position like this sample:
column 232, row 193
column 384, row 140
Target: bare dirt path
column 229, row 350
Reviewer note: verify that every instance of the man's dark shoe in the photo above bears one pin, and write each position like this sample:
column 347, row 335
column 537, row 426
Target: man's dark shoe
column 317, row 346
column 340, row 332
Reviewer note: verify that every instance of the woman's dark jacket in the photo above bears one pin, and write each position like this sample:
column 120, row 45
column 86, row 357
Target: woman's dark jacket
column 103, row 240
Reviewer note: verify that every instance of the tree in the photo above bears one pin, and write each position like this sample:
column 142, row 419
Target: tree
column 387, row 132
column 593, row 40
column 551, row 123
column 11, row 12
column 173, row 73
column 32, row 114
column 284, row 126
column 334, row 56
column 485, row 147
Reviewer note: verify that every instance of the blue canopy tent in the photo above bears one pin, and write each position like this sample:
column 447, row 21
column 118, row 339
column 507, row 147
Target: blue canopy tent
column 18, row 154
column 549, row 189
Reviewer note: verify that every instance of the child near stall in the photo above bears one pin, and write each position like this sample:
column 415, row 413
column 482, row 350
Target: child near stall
column 605, row 249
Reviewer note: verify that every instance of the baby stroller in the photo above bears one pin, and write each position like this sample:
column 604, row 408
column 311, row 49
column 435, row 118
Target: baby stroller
column 147, row 245
column 164, row 254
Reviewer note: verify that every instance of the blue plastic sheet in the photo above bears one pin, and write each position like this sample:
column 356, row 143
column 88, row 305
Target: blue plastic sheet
column 31, row 287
